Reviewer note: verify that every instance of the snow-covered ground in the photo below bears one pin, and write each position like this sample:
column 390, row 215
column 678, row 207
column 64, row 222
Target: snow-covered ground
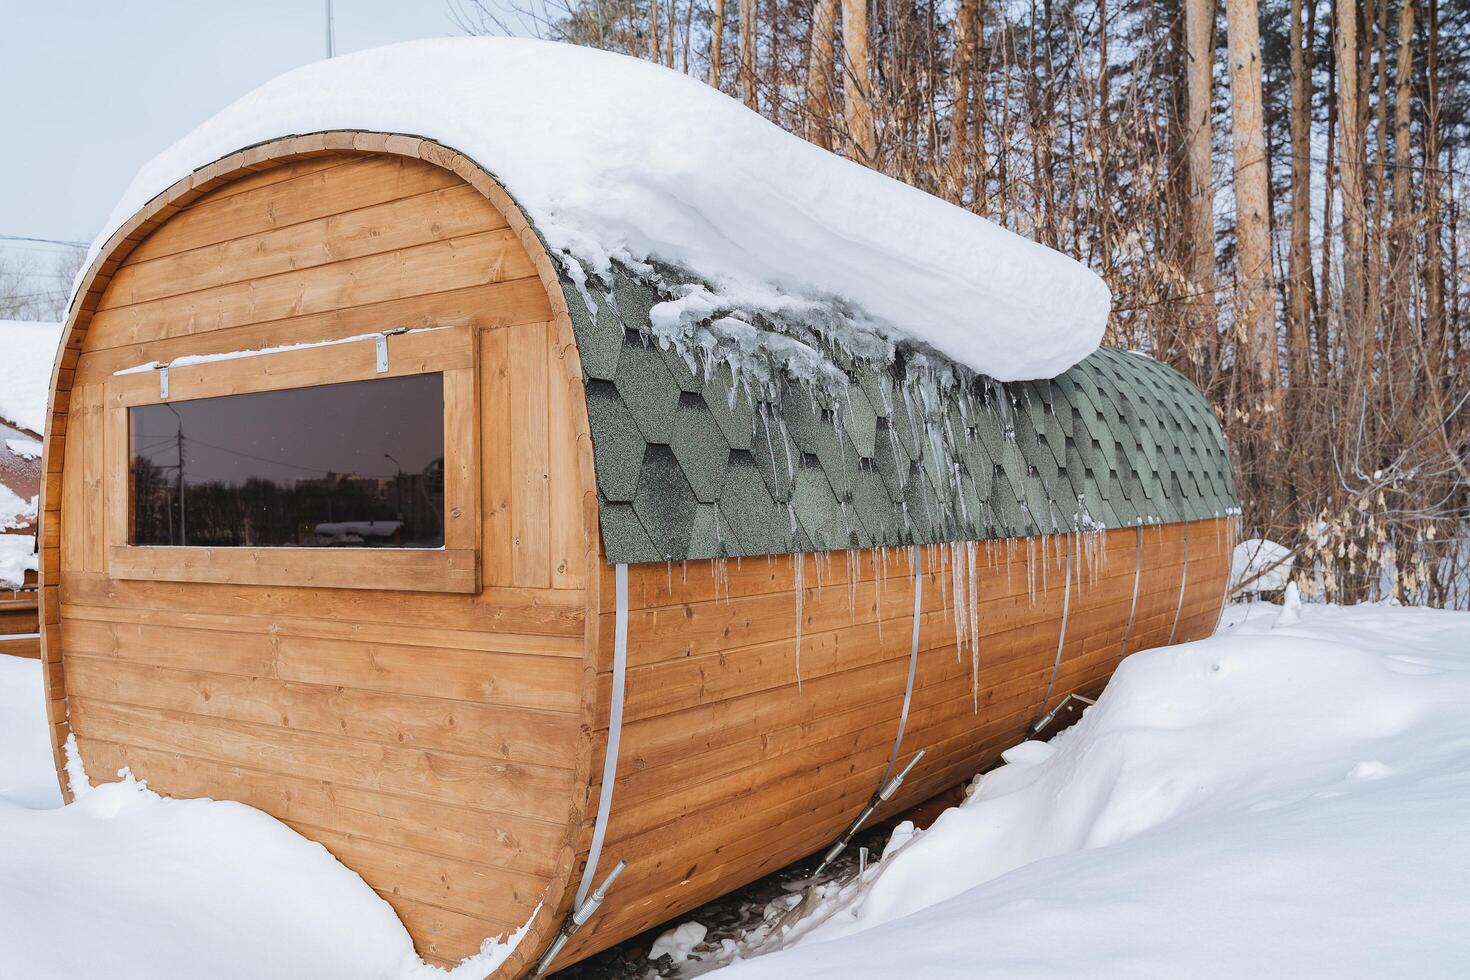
column 126, row 884
column 1288, row 798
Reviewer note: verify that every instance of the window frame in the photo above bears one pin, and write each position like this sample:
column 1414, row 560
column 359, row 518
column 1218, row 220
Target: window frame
column 455, row 567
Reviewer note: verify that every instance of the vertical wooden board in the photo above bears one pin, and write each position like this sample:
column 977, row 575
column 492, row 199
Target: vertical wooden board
column 116, row 455
column 529, row 457
column 566, row 539
column 495, row 479
column 93, row 469
column 462, row 459
column 73, row 529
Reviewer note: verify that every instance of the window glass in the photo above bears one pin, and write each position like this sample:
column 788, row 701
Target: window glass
column 358, row 464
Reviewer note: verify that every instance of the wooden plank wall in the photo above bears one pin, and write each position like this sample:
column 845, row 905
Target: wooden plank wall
column 430, row 741
column 730, row 768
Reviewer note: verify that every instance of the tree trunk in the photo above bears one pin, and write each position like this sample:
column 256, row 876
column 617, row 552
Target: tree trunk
column 716, row 35
column 1350, row 181
column 747, row 53
column 653, row 25
column 1299, row 260
column 1329, row 171
column 1199, row 223
column 857, row 97
column 1401, row 234
column 1434, row 279
column 819, row 74
column 1255, row 306
column 959, row 118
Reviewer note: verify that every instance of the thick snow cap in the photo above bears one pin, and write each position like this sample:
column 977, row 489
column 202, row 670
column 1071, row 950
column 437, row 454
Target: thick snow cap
column 619, row 160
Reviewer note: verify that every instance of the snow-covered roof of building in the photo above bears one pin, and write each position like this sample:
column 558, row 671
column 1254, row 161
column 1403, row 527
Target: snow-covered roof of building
column 27, row 352
column 746, row 227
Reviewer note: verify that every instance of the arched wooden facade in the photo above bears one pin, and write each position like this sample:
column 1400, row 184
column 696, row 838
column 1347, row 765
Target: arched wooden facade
column 443, row 729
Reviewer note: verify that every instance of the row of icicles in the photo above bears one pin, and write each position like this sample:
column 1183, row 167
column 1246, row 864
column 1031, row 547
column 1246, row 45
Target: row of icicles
column 1081, row 554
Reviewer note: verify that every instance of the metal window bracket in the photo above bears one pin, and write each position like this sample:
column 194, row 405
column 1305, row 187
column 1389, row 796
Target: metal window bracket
column 380, row 342
column 163, row 382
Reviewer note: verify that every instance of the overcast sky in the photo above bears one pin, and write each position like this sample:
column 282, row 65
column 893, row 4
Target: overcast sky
column 92, row 90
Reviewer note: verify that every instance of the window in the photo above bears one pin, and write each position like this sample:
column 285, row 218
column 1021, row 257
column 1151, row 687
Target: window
column 343, row 464
column 357, row 464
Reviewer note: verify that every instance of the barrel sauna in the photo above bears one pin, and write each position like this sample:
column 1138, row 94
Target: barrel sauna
column 759, row 596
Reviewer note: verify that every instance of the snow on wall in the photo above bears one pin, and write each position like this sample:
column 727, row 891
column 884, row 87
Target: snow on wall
column 618, row 160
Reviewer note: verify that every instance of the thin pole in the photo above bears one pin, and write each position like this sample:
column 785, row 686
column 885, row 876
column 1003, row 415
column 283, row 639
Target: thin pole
column 331, row 39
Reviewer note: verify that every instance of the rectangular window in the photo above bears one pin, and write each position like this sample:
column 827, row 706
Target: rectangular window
column 337, row 464
column 358, row 464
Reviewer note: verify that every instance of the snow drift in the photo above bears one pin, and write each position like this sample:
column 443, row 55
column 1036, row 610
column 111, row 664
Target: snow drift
column 1286, row 798
column 617, row 160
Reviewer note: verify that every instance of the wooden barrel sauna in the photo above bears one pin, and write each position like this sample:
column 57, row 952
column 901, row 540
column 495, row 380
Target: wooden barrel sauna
column 759, row 595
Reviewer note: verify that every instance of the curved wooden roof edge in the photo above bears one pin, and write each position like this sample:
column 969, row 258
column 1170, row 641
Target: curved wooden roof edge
column 109, row 258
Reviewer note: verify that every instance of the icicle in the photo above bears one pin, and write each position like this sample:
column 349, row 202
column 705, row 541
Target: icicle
column 880, row 576
column 1045, row 564
column 957, row 589
column 1031, row 568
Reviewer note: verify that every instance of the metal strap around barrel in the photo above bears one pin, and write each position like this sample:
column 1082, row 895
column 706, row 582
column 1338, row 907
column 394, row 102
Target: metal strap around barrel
column 1225, row 592
column 908, row 691
column 1183, row 580
column 1062, row 639
column 1137, row 576
column 614, row 735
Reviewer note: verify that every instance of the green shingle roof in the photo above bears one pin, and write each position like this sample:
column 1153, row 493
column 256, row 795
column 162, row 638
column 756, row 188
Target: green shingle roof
column 693, row 464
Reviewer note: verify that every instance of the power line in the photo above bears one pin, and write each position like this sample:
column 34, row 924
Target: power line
column 43, row 241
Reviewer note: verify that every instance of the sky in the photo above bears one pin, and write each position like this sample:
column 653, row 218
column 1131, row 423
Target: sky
column 95, row 89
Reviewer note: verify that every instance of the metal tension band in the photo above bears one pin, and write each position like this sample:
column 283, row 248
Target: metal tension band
column 1062, row 639
column 1137, row 575
column 1183, row 580
column 614, row 735
column 1225, row 593
column 908, row 691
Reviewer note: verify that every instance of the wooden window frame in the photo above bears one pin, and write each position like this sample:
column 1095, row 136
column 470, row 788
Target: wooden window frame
column 455, row 567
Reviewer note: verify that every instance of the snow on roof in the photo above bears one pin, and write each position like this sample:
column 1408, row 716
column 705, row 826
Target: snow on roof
column 619, row 160
column 27, row 352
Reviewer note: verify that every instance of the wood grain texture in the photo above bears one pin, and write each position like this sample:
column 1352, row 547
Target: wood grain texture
column 730, row 768
column 435, row 742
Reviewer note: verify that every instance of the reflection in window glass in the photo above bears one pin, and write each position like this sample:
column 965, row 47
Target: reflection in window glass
column 358, row 464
